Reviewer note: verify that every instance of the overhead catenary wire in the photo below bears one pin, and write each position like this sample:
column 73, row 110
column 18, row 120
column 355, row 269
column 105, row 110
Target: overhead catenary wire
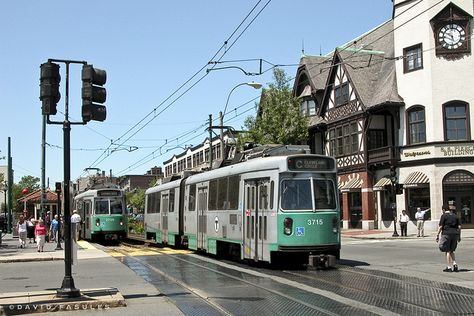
column 377, row 39
column 226, row 49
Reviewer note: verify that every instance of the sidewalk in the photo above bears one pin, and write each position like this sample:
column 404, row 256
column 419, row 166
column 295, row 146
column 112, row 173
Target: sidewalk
column 385, row 234
column 30, row 279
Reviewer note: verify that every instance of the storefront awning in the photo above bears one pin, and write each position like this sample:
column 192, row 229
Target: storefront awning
column 352, row 185
column 382, row 183
column 416, row 179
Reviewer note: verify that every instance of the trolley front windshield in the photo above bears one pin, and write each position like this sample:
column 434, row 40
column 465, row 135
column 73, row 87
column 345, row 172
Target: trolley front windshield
column 108, row 206
column 307, row 194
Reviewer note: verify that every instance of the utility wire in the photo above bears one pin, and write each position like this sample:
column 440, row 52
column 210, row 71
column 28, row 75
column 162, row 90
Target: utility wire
column 195, row 74
column 326, row 60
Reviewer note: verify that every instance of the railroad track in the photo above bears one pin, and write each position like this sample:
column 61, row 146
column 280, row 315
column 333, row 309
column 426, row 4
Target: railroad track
column 198, row 283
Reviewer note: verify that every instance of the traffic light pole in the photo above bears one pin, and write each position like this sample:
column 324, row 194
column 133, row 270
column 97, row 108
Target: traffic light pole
column 67, row 290
column 92, row 91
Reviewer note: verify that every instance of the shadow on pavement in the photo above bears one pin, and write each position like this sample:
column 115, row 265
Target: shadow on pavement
column 352, row 263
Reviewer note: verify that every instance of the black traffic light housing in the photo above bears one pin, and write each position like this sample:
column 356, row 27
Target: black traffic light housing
column 93, row 92
column 58, row 187
column 49, row 88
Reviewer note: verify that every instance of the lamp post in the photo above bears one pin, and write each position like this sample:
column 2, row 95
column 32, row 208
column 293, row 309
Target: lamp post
column 393, row 180
column 4, row 189
column 254, row 85
column 58, row 193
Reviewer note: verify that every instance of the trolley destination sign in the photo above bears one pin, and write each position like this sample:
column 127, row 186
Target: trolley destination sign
column 310, row 163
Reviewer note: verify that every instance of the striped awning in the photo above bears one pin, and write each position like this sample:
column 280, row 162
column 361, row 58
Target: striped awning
column 382, row 183
column 416, row 179
column 352, row 185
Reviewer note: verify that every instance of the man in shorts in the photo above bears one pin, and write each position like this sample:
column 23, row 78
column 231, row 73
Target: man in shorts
column 450, row 229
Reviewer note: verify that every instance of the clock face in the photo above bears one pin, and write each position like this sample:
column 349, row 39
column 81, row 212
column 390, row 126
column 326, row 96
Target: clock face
column 451, row 36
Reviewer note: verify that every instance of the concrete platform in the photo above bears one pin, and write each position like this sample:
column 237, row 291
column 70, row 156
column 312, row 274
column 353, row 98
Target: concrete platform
column 29, row 280
column 48, row 301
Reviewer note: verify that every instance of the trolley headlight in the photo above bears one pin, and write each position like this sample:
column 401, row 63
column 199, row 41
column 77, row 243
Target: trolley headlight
column 335, row 224
column 97, row 222
column 121, row 222
column 287, row 226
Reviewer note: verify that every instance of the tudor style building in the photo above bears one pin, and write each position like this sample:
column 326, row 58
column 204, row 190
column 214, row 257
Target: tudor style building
column 392, row 106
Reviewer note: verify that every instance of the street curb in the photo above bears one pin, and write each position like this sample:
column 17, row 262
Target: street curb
column 29, row 260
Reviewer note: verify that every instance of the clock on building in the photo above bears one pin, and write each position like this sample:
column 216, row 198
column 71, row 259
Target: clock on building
column 452, row 36
column 451, row 30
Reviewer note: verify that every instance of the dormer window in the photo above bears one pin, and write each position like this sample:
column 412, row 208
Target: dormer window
column 308, row 106
column 341, row 94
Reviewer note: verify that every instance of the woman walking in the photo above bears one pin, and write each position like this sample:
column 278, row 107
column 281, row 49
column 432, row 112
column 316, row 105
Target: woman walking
column 450, row 229
column 22, row 230
column 40, row 232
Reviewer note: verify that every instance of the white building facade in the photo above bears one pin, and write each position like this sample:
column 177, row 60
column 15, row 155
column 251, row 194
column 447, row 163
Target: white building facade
column 434, row 78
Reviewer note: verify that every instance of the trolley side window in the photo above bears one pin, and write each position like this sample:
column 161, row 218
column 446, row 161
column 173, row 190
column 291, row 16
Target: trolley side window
column 192, row 198
column 296, row 195
column 234, row 187
column 171, row 209
column 213, row 189
column 165, row 203
column 156, row 202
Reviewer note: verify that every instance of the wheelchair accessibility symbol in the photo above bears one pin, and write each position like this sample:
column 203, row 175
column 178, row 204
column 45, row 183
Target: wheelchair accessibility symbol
column 299, row 231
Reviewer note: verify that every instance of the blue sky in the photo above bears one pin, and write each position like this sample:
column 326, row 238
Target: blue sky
column 149, row 49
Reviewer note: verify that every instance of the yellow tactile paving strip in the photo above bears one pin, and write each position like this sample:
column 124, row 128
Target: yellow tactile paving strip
column 123, row 251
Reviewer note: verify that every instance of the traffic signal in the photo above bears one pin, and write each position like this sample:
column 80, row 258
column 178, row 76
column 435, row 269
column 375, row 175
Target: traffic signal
column 49, row 88
column 58, row 187
column 93, row 92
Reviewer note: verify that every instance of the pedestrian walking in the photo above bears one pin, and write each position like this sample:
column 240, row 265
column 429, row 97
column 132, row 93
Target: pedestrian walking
column 47, row 223
column 30, row 229
column 420, row 221
column 404, row 219
column 40, row 233
column 450, row 229
column 76, row 225
column 54, row 228
column 61, row 228
column 22, row 230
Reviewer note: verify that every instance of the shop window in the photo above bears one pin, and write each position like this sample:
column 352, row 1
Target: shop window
column 418, row 197
column 355, row 210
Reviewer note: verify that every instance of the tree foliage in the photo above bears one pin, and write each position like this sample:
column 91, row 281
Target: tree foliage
column 26, row 182
column 278, row 120
column 136, row 199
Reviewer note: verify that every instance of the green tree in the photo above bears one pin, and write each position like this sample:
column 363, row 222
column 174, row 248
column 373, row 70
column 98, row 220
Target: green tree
column 26, row 182
column 278, row 120
column 136, row 198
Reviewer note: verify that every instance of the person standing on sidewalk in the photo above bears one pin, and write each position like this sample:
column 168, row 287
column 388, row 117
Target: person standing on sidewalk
column 30, row 229
column 76, row 225
column 420, row 221
column 404, row 219
column 40, row 232
column 54, row 228
column 22, row 229
column 450, row 229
